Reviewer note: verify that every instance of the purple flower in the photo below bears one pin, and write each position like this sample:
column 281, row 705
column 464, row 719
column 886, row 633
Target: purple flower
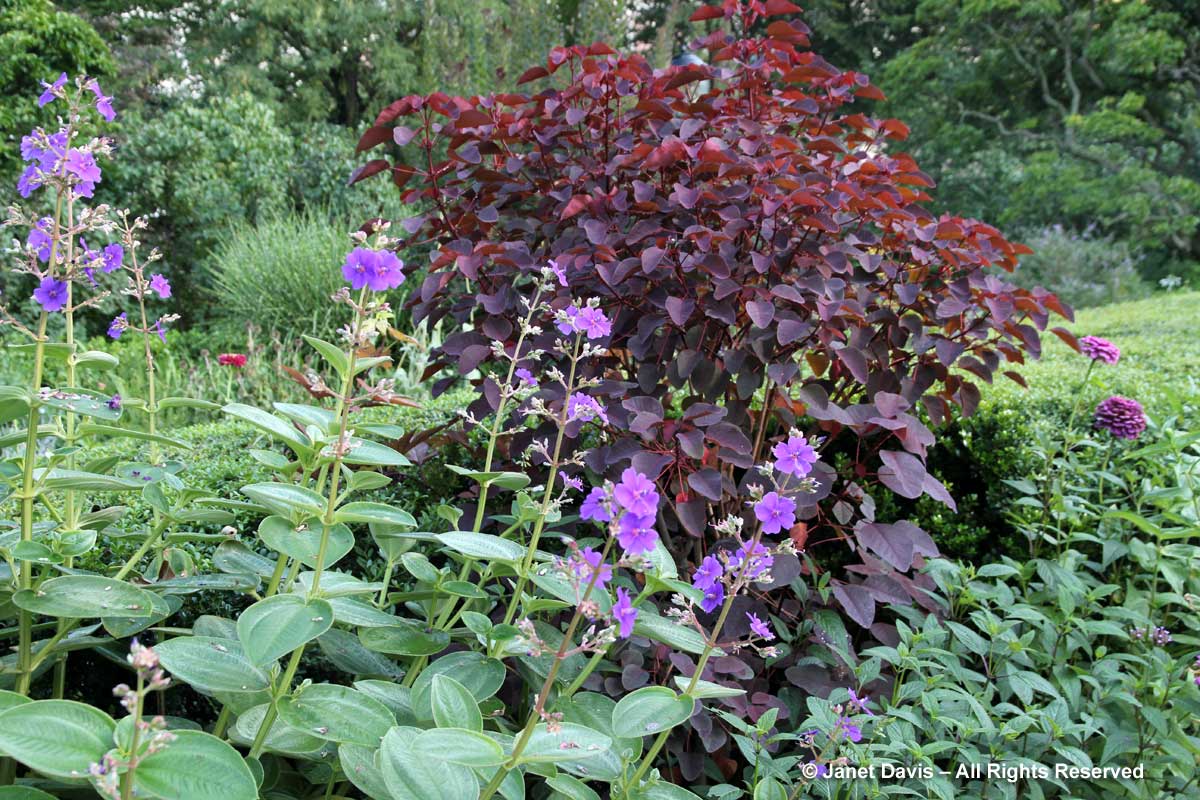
column 566, row 323
column 161, row 330
column 572, row 483
column 595, row 506
column 756, row 558
column 707, row 574
column 860, row 703
column 775, row 512
column 114, row 402
column 559, row 273
column 39, row 240
column 636, row 494
column 48, row 95
column 636, row 535
column 1120, row 416
column 51, row 294
column 713, row 598
column 103, row 102
column 795, row 456
column 593, row 322
column 624, row 613
column 31, row 149
column 760, row 628
column 118, row 325
column 114, row 257
column 1098, row 349
column 586, row 563
column 525, row 377
column 360, row 262
column 587, row 320
column 28, row 182
column 83, row 166
column 377, row 270
column 585, row 408
column 160, row 285
column 848, row 729
column 389, row 271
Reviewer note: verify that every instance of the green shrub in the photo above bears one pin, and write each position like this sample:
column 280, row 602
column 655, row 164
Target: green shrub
column 976, row 457
column 1082, row 268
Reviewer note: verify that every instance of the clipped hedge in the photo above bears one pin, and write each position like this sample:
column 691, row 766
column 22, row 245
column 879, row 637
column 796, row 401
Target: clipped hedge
column 220, row 463
column 975, row 456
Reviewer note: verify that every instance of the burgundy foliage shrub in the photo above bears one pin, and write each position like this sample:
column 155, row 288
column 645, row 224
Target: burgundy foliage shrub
column 759, row 241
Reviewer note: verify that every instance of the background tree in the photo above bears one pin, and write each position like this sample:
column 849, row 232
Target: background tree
column 37, row 42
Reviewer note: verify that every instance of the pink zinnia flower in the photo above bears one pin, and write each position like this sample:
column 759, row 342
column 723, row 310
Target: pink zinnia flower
column 1098, row 349
column 232, row 359
column 1120, row 416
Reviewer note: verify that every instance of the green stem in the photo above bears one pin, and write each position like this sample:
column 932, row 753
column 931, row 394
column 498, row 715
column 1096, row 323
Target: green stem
column 137, row 556
column 539, row 705
column 709, row 647
column 441, row 615
column 222, row 722
column 342, row 411
column 285, row 686
column 25, row 619
column 127, row 778
column 547, row 495
column 596, row 658
column 276, row 576
column 387, row 580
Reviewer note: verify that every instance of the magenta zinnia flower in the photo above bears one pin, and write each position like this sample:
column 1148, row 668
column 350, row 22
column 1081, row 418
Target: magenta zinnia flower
column 1098, row 349
column 1120, row 416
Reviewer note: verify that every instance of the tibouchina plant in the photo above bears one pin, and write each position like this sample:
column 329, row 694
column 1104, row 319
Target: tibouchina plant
column 659, row 431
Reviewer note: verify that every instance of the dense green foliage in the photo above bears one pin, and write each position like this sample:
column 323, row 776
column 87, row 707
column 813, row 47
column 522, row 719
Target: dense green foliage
column 37, row 42
column 980, row 456
column 238, row 563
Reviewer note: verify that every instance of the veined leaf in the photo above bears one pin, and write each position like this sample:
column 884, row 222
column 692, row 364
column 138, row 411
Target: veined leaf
column 337, row 714
column 60, row 738
column 265, row 421
column 276, row 626
column 85, row 597
column 195, row 766
column 211, row 663
column 650, row 710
